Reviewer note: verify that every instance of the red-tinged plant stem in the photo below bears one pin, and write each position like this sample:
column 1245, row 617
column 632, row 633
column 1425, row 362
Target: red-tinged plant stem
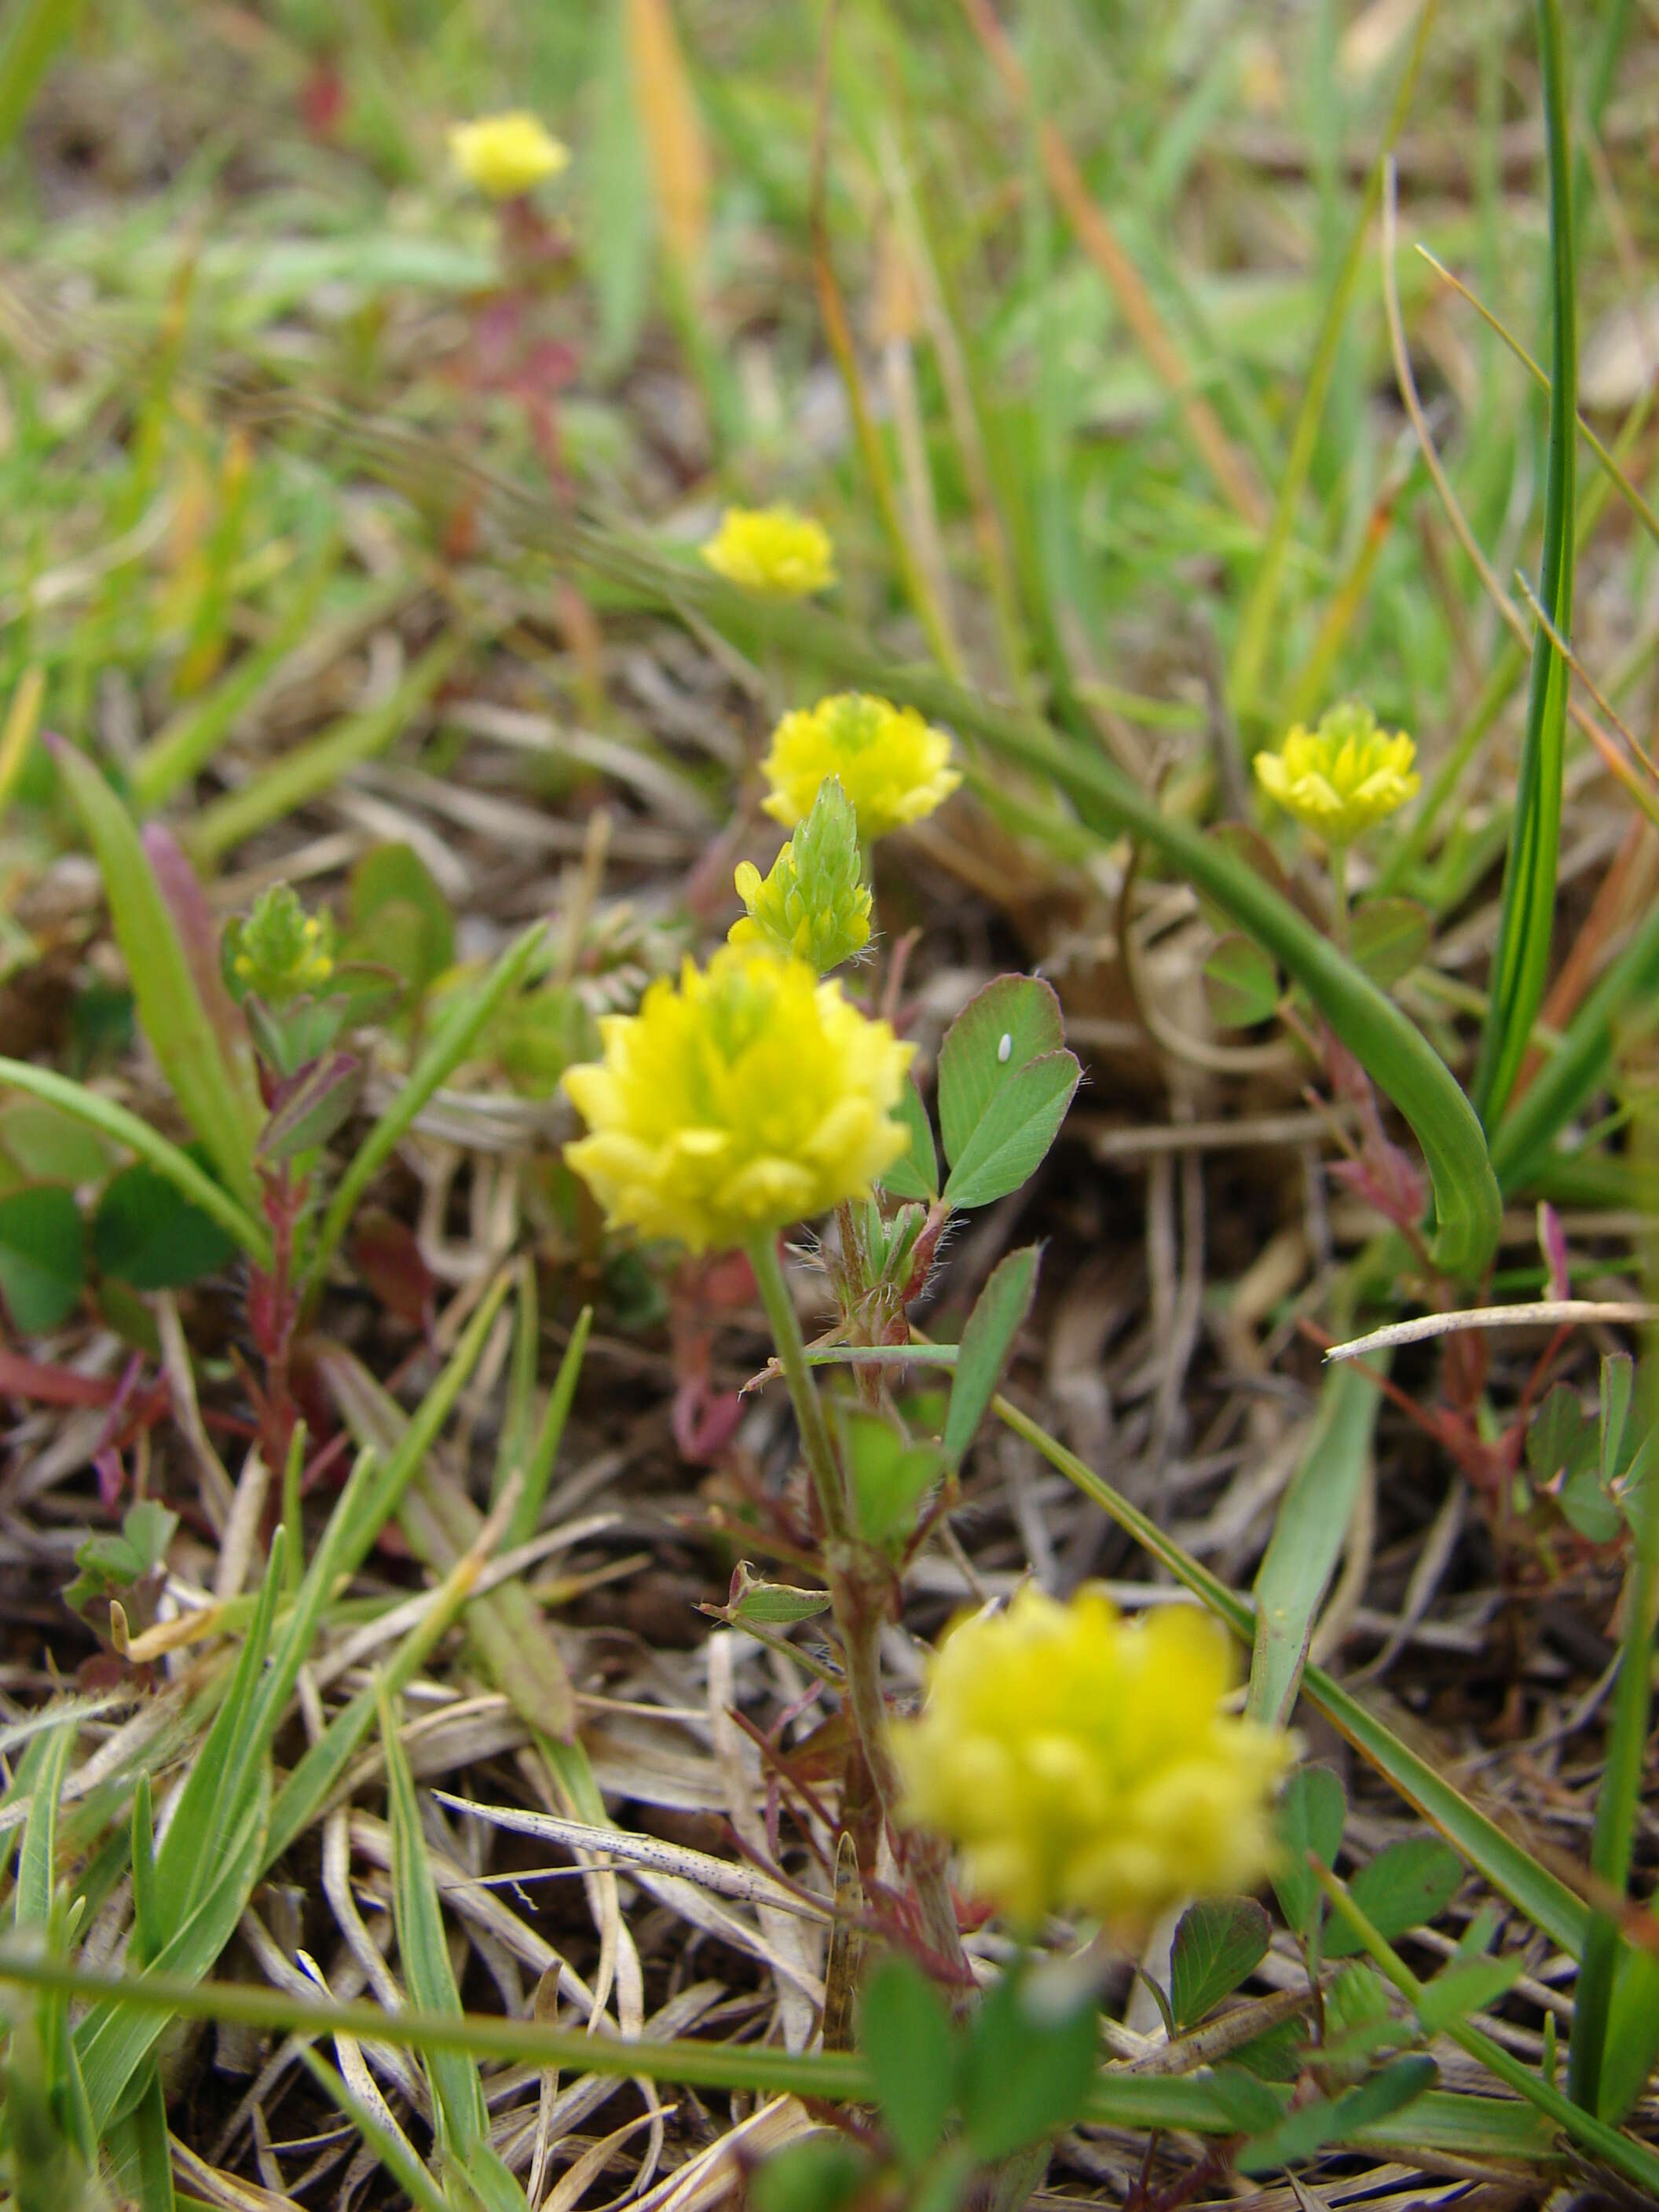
column 860, row 1587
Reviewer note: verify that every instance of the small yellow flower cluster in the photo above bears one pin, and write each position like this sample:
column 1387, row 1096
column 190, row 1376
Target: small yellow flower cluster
column 772, row 551
column 748, row 1097
column 1339, row 779
column 1085, row 1765
column 506, row 156
column 893, row 766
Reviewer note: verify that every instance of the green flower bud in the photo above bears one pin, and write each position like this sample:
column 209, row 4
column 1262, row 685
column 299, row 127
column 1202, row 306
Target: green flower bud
column 815, row 905
column 280, row 953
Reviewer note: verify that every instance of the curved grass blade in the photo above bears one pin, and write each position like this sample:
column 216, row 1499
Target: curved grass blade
column 218, row 1096
column 165, row 1158
column 451, row 1040
column 1526, row 925
column 1308, row 1534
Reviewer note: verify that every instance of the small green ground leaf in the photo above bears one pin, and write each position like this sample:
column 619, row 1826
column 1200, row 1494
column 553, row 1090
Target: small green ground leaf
column 1308, row 2128
column 1460, row 1991
column 1389, row 936
column 821, row 2174
column 1404, row 1887
column 1312, row 1814
column 49, row 1145
column 987, row 1341
column 1009, row 1143
column 1241, row 983
column 145, row 1233
column 890, row 1476
column 43, row 1256
column 904, row 2030
column 915, row 1173
column 1025, row 2074
column 1218, row 1941
column 1010, row 1022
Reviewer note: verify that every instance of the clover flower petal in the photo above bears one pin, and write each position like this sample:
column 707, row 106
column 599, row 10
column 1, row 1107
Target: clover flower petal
column 743, row 1097
column 773, row 551
column 1342, row 777
column 506, row 156
column 1086, row 1763
column 894, row 767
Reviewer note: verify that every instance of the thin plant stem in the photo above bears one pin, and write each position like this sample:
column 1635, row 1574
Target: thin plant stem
column 790, row 1348
column 859, row 1598
column 1339, row 868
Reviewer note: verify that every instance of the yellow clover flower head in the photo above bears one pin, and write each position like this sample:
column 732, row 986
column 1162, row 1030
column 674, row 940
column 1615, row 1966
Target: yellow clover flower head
column 773, row 551
column 893, row 766
column 1340, row 778
column 506, row 156
column 815, row 904
column 1085, row 1764
column 744, row 1098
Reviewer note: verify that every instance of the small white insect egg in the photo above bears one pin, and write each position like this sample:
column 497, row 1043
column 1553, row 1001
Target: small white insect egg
column 1006, row 1049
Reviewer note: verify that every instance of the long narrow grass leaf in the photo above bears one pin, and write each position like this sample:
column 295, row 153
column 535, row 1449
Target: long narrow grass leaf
column 217, row 1095
column 1527, row 920
column 451, row 1040
column 1309, row 1531
column 424, row 1947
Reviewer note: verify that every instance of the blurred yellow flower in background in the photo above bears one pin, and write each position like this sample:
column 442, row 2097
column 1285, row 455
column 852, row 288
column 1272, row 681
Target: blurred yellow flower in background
column 773, row 550
column 1085, row 1764
column 506, row 156
column 744, row 1098
column 893, row 766
column 1342, row 777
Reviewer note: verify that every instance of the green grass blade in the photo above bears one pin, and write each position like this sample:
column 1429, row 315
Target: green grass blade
column 457, row 2093
column 154, row 1998
column 1527, row 922
column 156, row 1151
column 305, row 1793
column 1307, row 1534
column 310, row 769
column 219, row 1099
column 37, row 1862
column 544, row 1455
column 1510, row 1870
column 178, row 753
column 1520, row 1146
column 1607, row 1960
column 384, row 1482
column 451, row 1040
column 34, row 31
column 224, row 1774
column 116, row 2036
column 439, row 1522
column 390, row 2145
column 1255, row 627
